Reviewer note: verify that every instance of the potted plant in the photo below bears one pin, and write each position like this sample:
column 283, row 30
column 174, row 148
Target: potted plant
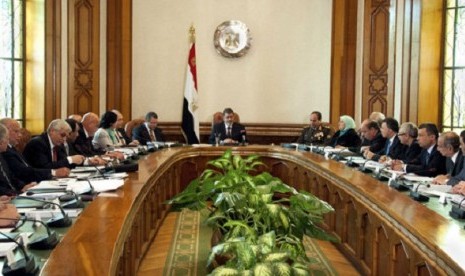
column 245, row 209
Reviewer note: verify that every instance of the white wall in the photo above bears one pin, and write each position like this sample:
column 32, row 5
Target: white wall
column 284, row 76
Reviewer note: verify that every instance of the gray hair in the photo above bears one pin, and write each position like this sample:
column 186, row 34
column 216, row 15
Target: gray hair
column 57, row 125
column 3, row 132
column 410, row 129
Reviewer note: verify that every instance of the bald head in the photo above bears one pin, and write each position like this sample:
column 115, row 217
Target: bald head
column 14, row 130
column 76, row 117
column 90, row 122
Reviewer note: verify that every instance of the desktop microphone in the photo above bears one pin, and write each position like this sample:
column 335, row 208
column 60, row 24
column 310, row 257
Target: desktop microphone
column 45, row 191
column 25, row 267
column 380, row 176
column 457, row 212
column 337, row 155
column 417, row 196
column 41, row 242
column 398, row 184
column 70, row 200
column 89, row 196
column 243, row 133
column 58, row 221
column 363, row 168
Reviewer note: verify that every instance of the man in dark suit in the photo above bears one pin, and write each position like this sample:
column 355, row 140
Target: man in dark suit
column 449, row 147
column 373, row 140
column 459, row 179
column 18, row 164
column 9, row 184
column 121, row 136
column 87, row 129
column 393, row 148
column 148, row 131
column 47, row 150
column 228, row 132
column 430, row 161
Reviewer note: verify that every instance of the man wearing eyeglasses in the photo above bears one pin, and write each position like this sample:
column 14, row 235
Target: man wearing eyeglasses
column 47, row 150
column 18, row 164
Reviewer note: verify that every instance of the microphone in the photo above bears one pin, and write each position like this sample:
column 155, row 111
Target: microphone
column 58, row 221
column 41, row 242
column 89, row 196
column 363, row 167
column 380, row 176
column 457, row 212
column 70, row 200
column 417, row 196
column 243, row 133
column 26, row 266
column 398, row 184
column 45, row 191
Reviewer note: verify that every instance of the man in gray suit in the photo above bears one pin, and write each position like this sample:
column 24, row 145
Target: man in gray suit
column 449, row 147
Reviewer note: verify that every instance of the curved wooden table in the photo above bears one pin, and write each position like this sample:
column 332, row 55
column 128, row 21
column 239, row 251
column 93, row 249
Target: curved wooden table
column 382, row 231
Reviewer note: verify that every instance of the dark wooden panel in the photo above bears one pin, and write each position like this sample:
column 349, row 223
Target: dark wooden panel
column 83, row 56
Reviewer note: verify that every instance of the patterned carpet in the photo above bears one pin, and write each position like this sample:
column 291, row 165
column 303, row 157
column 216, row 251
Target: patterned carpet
column 191, row 244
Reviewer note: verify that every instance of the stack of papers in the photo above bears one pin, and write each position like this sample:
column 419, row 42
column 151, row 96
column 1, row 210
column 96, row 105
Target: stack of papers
column 98, row 185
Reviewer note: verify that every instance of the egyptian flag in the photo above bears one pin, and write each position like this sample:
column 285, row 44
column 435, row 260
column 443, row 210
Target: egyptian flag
column 190, row 122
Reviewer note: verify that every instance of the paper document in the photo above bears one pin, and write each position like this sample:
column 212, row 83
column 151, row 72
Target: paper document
column 434, row 190
column 98, row 185
column 6, row 247
column 416, row 178
column 51, row 213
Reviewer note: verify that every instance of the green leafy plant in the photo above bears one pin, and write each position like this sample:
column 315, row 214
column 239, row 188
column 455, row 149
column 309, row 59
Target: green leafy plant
column 247, row 209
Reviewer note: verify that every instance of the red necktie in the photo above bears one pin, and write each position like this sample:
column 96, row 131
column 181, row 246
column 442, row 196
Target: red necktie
column 55, row 154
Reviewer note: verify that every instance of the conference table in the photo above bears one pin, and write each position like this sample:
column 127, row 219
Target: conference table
column 382, row 231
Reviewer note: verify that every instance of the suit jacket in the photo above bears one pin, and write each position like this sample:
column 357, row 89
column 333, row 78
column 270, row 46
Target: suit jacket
column 122, row 134
column 374, row 145
column 102, row 140
column 318, row 136
column 83, row 145
column 459, row 177
column 413, row 152
column 9, row 184
column 349, row 139
column 22, row 170
column 237, row 132
column 38, row 153
column 428, row 165
column 396, row 151
column 454, row 168
column 142, row 134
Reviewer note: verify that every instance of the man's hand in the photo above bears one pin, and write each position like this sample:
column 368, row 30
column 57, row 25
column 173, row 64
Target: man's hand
column 440, row 179
column 8, row 211
column 459, row 188
column 77, row 159
column 62, row 172
column 96, row 161
column 28, row 186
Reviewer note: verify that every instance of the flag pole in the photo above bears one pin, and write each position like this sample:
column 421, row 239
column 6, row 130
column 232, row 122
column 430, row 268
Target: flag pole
column 192, row 34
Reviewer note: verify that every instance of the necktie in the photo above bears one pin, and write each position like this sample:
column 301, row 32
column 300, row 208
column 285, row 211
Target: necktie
column 388, row 147
column 152, row 136
column 6, row 177
column 427, row 157
column 229, row 132
column 55, row 154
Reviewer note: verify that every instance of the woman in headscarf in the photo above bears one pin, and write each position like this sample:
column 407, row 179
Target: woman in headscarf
column 105, row 138
column 346, row 136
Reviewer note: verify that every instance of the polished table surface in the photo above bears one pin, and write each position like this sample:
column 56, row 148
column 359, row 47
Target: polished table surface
column 96, row 241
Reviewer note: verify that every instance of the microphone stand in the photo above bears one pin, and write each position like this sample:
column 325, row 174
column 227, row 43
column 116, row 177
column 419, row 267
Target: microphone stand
column 58, row 221
column 417, row 196
column 398, row 184
column 362, row 168
column 25, row 267
column 41, row 242
column 457, row 212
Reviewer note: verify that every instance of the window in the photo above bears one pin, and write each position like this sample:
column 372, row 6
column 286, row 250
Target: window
column 12, row 58
column 454, row 67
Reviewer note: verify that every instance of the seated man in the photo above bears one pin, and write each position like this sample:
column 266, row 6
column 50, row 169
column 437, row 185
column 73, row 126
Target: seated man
column 17, row 163
column 316, row 133
column 9, row 185
column 449, row 147
column 430, row 162
column 459, row 179
column 392, row 149
column 227, row 132
column 123, row 139
column 47, row 150
column 148, row 131
column 372, row 138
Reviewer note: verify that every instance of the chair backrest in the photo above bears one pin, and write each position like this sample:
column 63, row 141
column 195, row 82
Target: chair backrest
column 218, row 118
column 25, row 137
column 131, row 125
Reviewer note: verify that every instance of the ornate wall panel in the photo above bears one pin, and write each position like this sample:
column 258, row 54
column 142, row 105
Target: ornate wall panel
column 83, row 56
column 119, row 56
column 376, row 94
column 53, row 38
